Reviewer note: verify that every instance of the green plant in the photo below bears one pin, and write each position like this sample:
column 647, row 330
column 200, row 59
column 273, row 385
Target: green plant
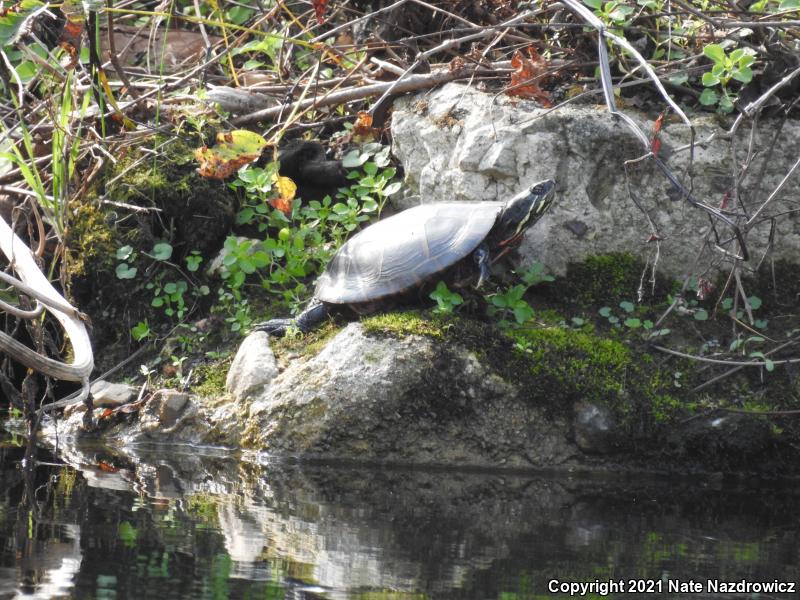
column 373, row 184
column 446, row 301
column 141, row 331
column 300, row 236
column 511, row 302
column 735, row 65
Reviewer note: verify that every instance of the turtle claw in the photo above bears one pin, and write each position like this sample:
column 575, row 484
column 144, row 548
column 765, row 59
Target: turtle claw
column 275, row 327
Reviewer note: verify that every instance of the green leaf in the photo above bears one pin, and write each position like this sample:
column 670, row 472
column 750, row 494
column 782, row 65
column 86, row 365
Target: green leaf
column 727, row 304
column 605, row 311
column 715, row 52
column 701, row 315
column 354, row 159
column 626, row 306
column 709, row 79
column 392, row 188
column 633, row 323
column 679, row 78
column 769, row 365
column 725, row 104
column 124, row 252
column 15, row 20
column 648, row 324
column 595, row 4
column 709, row 97
column 744, row 74
column 162, row 251
column 125, row 271
column 754, row 302
column 141, row 331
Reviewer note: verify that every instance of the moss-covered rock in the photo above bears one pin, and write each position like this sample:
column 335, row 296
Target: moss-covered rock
column 606, row 279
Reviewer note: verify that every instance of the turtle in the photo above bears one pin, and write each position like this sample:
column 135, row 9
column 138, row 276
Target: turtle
column 403, row 252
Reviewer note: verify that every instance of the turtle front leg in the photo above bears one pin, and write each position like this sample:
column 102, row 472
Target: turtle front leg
column 483, row 259
column 313, row 316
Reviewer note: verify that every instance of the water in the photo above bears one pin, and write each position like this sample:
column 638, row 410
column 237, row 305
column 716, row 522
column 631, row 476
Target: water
column 179, row 523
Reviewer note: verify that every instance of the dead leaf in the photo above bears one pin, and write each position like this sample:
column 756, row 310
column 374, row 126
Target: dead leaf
column 282, row 204
column 234, row 149
column 363, row 131
column 319, row 9
column 655, row 144
column 72, row 32
column 528, row 69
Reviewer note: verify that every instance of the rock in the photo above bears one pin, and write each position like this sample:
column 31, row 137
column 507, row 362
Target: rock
column 253, row 367
column 497, row 145
column 111, row 395
column 595, row 428
column 412, row 400
column 164, row 411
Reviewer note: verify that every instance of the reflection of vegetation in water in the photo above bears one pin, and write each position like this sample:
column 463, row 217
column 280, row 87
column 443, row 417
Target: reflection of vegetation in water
column 127, row 534
column 740, row 552
column 219, row 574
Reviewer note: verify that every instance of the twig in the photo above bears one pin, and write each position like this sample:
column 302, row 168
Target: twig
column 409, row 84
column 716, row 361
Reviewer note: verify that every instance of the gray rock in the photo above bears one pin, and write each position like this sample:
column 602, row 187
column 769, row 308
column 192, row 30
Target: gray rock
column 253, row 367
column 492, row 146
column 410, row 400
column 595, row 428
column 105, row 393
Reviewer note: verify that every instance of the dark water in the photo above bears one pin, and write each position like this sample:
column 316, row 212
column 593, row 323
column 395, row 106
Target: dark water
column 181, row 523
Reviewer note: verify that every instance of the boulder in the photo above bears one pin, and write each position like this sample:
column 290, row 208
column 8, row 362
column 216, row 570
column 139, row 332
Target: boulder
column 253, row 367
column 457, row 143
column 405, row 399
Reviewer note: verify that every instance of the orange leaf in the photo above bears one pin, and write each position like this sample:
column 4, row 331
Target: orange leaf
column 655, row 145
column 282, row 204
column 104, row 466
column 234, row 149
column 363, row 131
column 527, row 70
column 70, row 39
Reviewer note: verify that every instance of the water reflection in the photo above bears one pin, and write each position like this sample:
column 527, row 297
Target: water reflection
column 188, row 523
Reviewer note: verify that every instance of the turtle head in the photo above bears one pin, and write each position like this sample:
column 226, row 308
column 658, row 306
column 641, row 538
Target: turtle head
column 524, row 210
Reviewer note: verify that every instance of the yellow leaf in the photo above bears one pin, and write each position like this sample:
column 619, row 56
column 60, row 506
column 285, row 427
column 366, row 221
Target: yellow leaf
column 286, row 187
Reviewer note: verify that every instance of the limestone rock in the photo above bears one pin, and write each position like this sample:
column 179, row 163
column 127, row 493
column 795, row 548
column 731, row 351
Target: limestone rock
column 105, row 393
column 379, row 398
column 253, row 367
column 469, row 145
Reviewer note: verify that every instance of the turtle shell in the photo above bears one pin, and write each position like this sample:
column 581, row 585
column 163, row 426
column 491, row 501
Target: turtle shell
column 400, row 252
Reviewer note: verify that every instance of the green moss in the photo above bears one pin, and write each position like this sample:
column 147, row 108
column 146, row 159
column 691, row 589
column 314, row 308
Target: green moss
column 305, row 345
column 211, row 379
column 410, row 322
column 574, row 365
column 89, row 240
column 604, row 279
column 195, row 213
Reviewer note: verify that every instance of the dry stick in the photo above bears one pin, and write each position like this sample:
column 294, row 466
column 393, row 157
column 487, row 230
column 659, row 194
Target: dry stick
column 409, row 84
column 730, row 372
column 447, row 44
column 112, row 52
column 773, row 195
column 716, row 361
column 338, row 28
